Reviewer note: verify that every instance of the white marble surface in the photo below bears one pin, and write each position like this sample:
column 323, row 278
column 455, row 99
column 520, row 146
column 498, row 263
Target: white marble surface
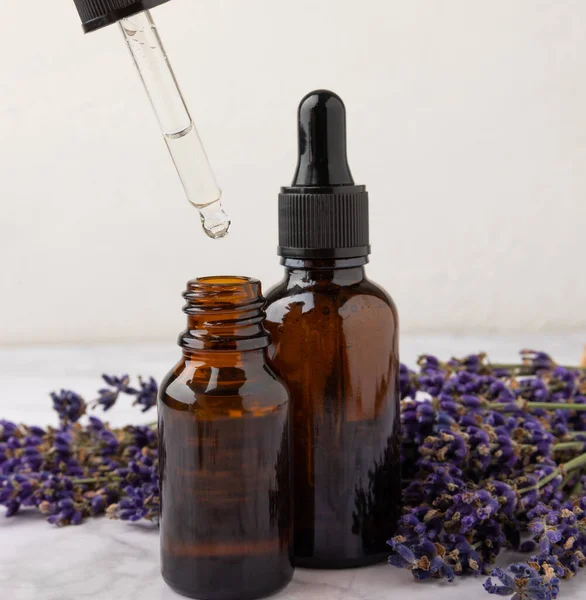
column 107, row 560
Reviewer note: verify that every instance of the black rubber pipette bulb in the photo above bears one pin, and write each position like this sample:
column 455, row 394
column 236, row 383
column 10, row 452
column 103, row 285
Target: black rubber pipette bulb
column 323, row 160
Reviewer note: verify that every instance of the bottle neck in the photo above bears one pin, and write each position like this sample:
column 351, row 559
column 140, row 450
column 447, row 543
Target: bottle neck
column 247, row 360
column 340, row 271
column 224, row 314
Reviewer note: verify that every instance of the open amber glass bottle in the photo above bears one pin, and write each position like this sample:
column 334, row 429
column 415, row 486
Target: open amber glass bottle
column 224, row 451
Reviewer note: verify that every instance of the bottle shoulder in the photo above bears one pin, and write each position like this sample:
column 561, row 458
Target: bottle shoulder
column 287, row 293
column 197, row 382
column 380, row 292
column 332, row 329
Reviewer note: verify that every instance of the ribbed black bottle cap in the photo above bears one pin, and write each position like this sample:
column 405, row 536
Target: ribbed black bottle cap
column 95, row 14
column 323, row 214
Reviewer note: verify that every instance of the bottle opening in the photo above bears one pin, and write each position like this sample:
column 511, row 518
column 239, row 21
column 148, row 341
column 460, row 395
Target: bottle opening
column 225, row 280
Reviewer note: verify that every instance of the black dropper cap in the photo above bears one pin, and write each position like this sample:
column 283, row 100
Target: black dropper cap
column 95, row 14
column 323, row 214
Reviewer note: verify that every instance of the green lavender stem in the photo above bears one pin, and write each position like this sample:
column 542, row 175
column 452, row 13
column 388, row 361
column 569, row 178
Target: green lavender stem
column 575, row 463
column 512, row 406
column 578, row 488
column 95, row 480
column 528, row 369
column 566, row 480
column 567, row 446
column 555, row 447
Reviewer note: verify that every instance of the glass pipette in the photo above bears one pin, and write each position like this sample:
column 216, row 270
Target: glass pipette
column 177, row 126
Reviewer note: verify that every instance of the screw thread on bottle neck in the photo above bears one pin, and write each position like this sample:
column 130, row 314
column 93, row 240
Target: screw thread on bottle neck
column 224, row 314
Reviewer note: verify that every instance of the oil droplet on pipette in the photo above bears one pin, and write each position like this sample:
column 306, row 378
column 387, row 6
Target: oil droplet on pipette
column 214, row 220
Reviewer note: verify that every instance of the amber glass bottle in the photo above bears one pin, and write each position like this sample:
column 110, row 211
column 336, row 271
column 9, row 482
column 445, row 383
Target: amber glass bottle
column 224, row 451
column 335, row 342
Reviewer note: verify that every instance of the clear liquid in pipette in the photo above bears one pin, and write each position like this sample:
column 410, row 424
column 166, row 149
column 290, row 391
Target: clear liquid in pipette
column 176, row 124
column 198, row 181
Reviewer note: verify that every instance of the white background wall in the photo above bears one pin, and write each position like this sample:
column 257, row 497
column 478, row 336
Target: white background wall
column 467, row 121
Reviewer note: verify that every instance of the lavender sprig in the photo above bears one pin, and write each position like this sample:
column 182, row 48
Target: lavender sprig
column 146, row 396
column 69, row 406
column 78, row 471
column 117, row 385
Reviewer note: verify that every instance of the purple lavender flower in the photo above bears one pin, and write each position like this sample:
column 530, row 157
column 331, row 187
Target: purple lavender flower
column 409, row 421
column 501, row 373
column 139, row 503
column 533, row 390
column 449, row 477
column 51, row 490
column 504, row 495
column 425, row 413
column 95, row 425
column 38, row 432
column 141, row 469
column 538, row 361
column 474, row 363
column 422, row 559
column 431, row 382
column 563, row 384
column 499, row 392
column 480, row 446
column 463, row 382
column 108, row 442
column 577, row 420
column 132, row 507
column 507, row 585
column 69, row 405
column 407, row 387
column 471, row 402
column 98, row 504
column 66, row 513
column 20, row 455
column 468, row 560
column 146, row 396
column 16, row 491
column 142, row 436
column 31, row 459
column 108, row 396
column 61, row 458
column 494, row 419
column 7, row 430
column 523, row 583
column 427, row 362
column 447, row 446
column 449, row 406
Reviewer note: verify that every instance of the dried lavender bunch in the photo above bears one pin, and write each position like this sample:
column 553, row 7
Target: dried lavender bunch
column 77, row 471
column 494, row 456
